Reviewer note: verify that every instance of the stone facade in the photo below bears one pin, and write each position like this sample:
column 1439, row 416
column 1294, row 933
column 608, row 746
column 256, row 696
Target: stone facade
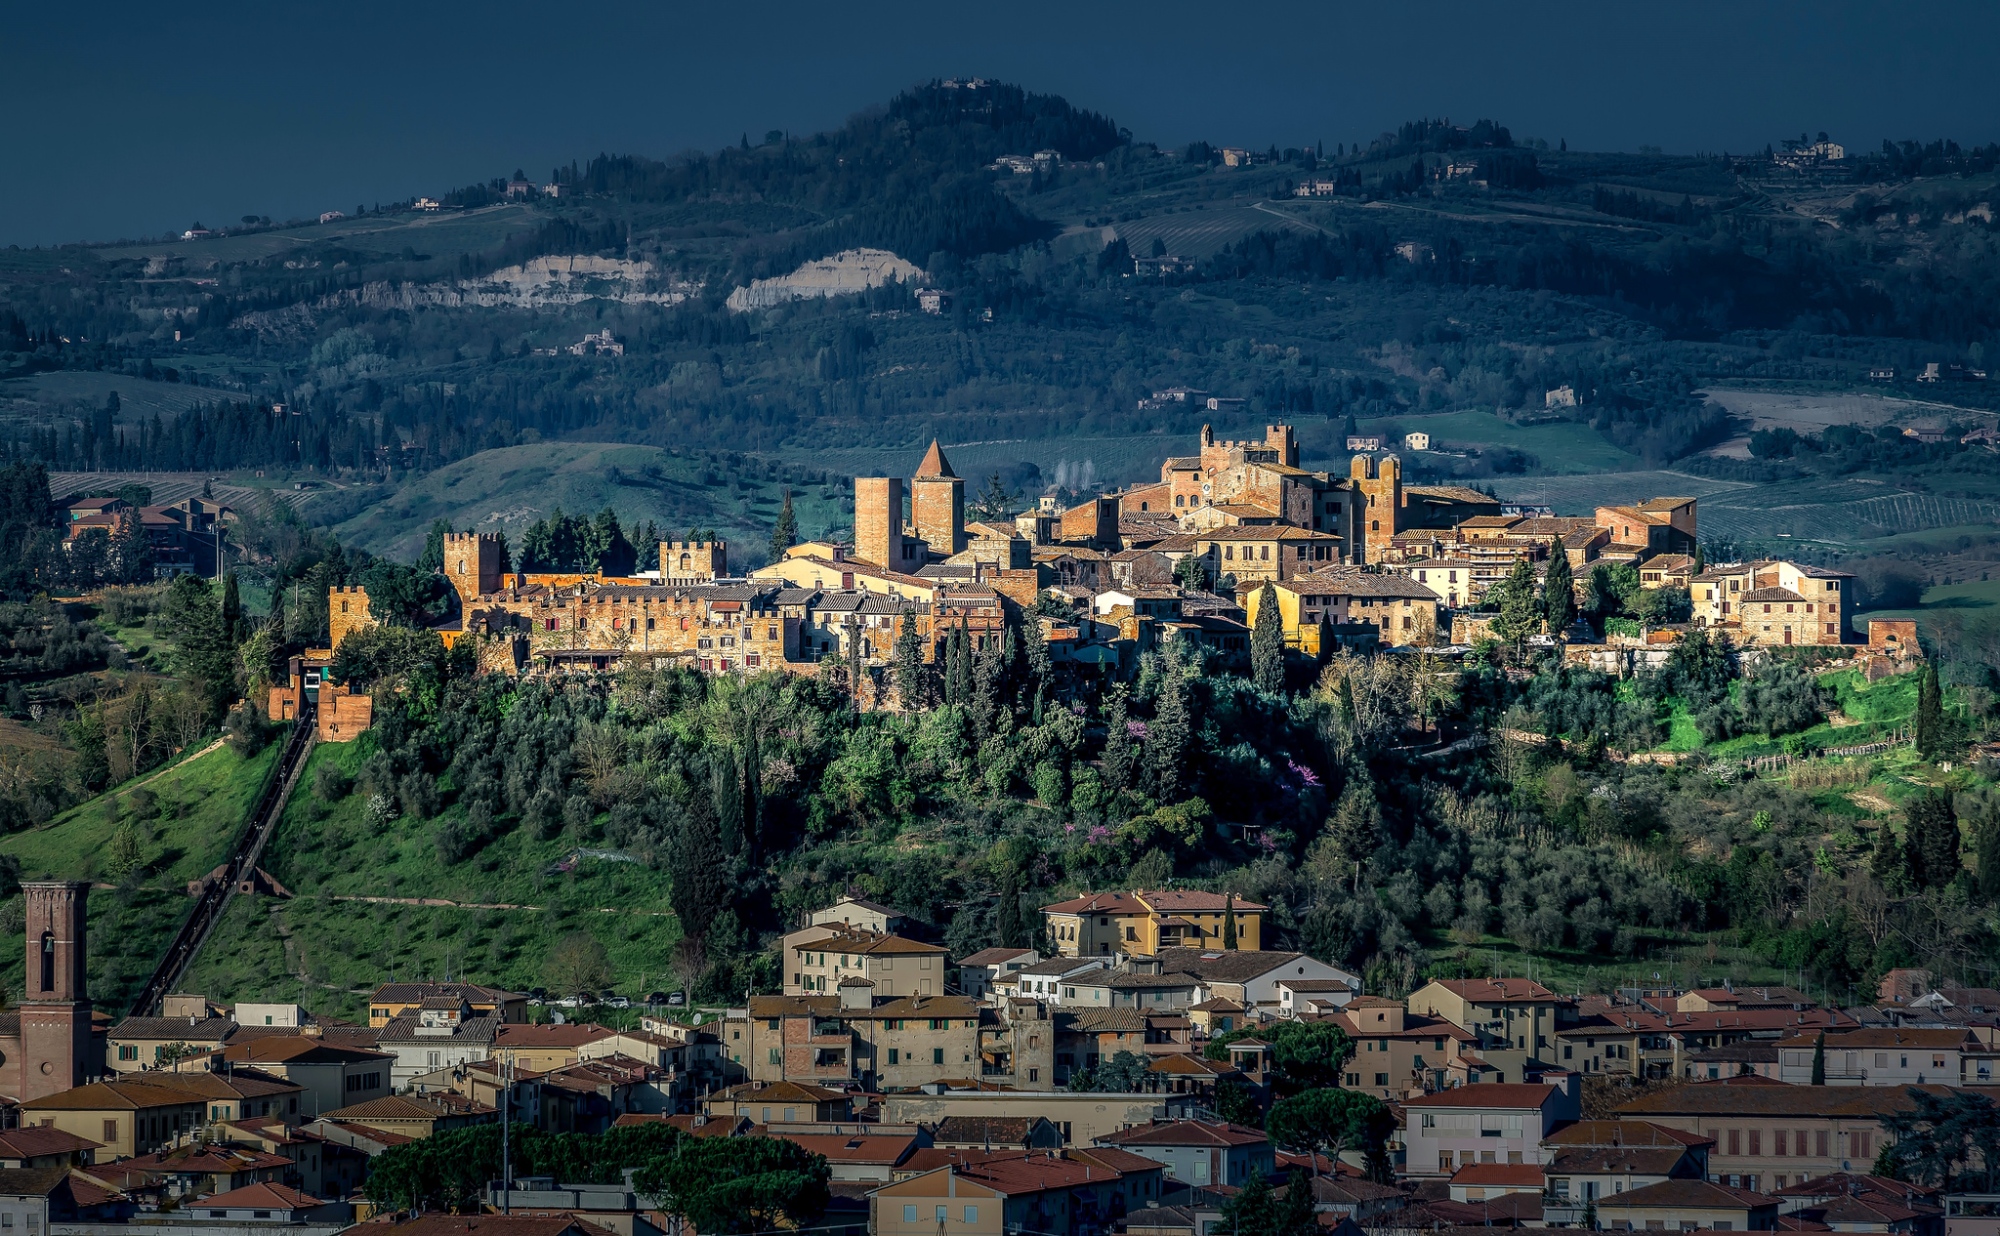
column 472, row 563
column 343, row 714
column 346, row 612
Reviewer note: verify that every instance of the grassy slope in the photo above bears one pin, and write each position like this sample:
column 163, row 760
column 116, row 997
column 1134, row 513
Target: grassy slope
column 335, row 951
column 510, row 488
column 1563, row 448
column 1974, row 604
column 199, row 807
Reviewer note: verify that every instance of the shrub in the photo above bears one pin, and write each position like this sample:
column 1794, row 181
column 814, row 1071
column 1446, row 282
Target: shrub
column 331, row 783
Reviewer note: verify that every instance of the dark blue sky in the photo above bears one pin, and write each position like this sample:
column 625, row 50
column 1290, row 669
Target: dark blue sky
column 126, row 118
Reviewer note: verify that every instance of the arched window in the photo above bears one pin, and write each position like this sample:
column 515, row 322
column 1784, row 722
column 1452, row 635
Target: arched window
column 686, row 561
column 48, row 962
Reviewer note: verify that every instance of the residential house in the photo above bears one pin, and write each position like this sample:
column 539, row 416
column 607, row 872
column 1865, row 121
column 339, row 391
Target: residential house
column 1492, row 1122
column 787, row 1102
column 1146, row 922
column 1887, row 1056
column 1125, row 987
column 539, row 1048
column 1047, row 980
column 1689, row 1205
column 126, row 1117
column 996, row 1133
column 1517, row 1018
column 330, row 1075
column 33, row 1200
column 1774, row 602
column 1000, row 1194
column 1199, row 1152
column 1857, row 1202
column 1479, row 1182
column 1601, row 1158
column 1396, row 1052
column 977, row 973
column 870, row 1153
column 139, row 1043
column 33, row 1146
column 817, row 958
column 862, row 915
column 443, row 1032
column 1083, row 1116
column 1768, row 1134
column 393, row 1000
column 1251, row 977
column 415, row 1116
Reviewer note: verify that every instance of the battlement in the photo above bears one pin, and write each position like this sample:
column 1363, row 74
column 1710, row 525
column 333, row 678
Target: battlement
column 693, row 562
column 346, row 612
column 696, row 546
column 473, row 538
column 353, row 590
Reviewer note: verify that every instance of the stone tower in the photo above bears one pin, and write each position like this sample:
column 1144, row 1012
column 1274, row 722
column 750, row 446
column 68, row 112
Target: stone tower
column 694, row 562
column 878, row 522
column 937, row 503
column 472, row 564
column 55, row 1016
column 346, row 612
column 1381, row 486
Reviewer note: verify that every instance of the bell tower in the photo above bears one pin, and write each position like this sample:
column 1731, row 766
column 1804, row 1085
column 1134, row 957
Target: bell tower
column 55, row 1016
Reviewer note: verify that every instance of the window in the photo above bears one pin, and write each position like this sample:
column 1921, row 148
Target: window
column 111, row 1130
column 972, row 1214
column 1756, row 1141
column 776, row 1056
column 895, row 1057
column 909, row 1214
column 940, row 1213
column 937, row 1055
column 1819, row 1143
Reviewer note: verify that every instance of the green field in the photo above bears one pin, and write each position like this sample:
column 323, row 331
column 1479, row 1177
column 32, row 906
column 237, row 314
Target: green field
column 187, row 816
column 509, row 488
column 442, row 235
column 1563, row 449
column 326, row 852
column 1973, row 606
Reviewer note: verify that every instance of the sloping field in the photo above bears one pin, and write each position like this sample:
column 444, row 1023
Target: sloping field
column 445, row 234
column 171, row 487
column 1580, row 495
column 1204, row 232
column 28, row 398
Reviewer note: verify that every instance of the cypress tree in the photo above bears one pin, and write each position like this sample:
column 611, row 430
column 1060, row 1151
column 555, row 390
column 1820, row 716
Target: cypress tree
column 1931, row 842
column 786, row 532
column 1167, row 738
column 1886, row 862
column 1819, row 1060
column 1519, row 608
column 1118, row 751
column 1558, row 590
column 232, row 611
column 1267, row 643
column 912, row 675
column 697, row 867
column 1989, row 861
column 1229, row 922
column 1009, row 924
column 1929, row 725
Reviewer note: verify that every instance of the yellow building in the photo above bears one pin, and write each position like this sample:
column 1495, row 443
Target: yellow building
column 1402, row 610
column 1773, row 603
column 129, row 1117
column 392, row 1000
column 1144, row 922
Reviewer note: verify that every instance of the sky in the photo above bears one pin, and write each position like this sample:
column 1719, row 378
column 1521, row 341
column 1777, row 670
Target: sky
column 126, row 119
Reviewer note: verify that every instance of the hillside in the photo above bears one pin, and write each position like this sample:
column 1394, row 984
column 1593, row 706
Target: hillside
column 183, row 820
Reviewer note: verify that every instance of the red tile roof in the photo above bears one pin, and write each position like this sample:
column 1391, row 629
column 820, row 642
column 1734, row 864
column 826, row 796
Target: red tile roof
column 1186, row 1133
column 264, row 1195
column 1519, row 1175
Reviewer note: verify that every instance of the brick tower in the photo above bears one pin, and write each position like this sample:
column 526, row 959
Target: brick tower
column 1381, row 487
column 937, row 503
column 878, row 521
column 694, row 562
column 55, row 1017
column 472, row 564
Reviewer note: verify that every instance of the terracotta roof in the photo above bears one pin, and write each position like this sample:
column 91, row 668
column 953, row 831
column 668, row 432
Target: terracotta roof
column 411, row 1107
column 1186, row 1133
column 1776, row 1099
column 298, row 1049
column 1920, row 1039
column 994, row 956
column 1772, row 594
column 175, row 1029
column 28, row 1141
column 413, row 993
column 1031, row 1173
column 1098, row 903
column 496, row 1225
column 1498, row 991
column 1686, row 1195
column 859, row 1148
column 264, row 1195
column 1183, row 901
column 934, row 464
column 1639, row 1133
column 1516, row 1174
column 776, row 1092
column 523, row 1037
column 1622, row 1160
column 120, row 1095
column 1124, row 1162
column 1487, row 1095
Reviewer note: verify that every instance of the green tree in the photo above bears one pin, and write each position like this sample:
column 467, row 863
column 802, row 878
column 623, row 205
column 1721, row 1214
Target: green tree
column 913, row 676
column 1931, row 839
column 1169, row 736
column 1989, row 860
column 1267, row 643
column 785, row 533
column 577, row 965
column 1929, row 723
column 1819, row 1060
column 232, row 610
column 1305, row 1055
column 1520, row 609
column 1332, row 1121
column 1229, row 922
column 1191, row 572
column 697, row 866
column 1119, row 752
column 431, row 561
column 1259, row 1210
column 125, row 855
column 1886, row 861
column 737, row 1184
column 1558, row 590
column 996, row 502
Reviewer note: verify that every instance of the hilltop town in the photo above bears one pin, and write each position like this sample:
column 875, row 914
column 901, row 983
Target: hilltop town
column 1356, row 562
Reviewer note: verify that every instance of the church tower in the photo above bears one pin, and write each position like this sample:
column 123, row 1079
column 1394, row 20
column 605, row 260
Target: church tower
column 937, row 503
column 55, row 1016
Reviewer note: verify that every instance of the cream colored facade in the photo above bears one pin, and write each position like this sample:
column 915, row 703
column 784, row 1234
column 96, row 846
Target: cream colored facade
column 1774, row 603
column 1144, row 922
